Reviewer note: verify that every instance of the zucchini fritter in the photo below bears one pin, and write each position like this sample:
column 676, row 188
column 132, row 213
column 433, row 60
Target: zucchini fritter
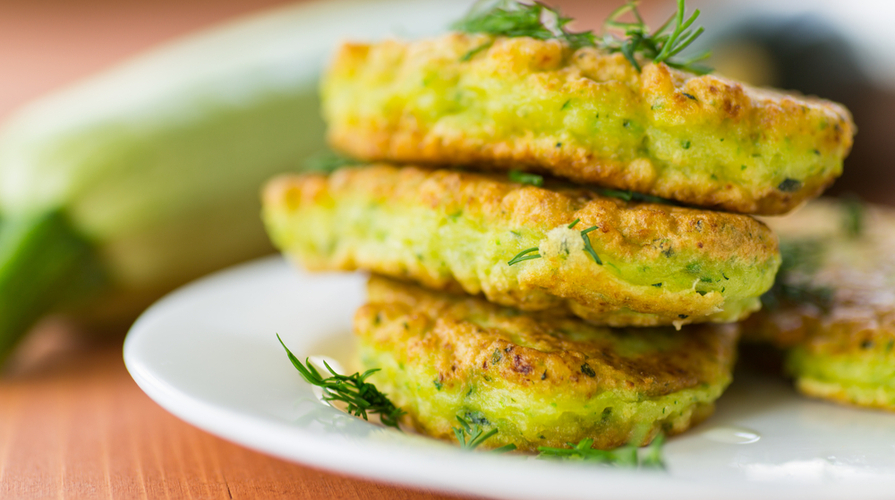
column 639, row 263
column 540, row 379
column 834, row 306
column 584, row 115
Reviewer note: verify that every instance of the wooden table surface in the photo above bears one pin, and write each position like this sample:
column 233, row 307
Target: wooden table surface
column 72, row 422
column 74, row 425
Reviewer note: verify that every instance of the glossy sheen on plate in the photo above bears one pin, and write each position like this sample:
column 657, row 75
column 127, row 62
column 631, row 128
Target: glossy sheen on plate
column 589, row 116
column 539, row 379
column 650, row 264
column 837, row 316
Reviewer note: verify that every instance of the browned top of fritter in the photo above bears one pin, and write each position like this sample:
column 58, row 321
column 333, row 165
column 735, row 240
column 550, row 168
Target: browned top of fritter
column 635, row 231
column 844, row 283
column 464, row 337
column 585, row 115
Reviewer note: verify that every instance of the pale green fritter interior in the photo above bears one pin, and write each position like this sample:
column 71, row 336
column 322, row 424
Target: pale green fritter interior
column 617, row 127
column 529, row 415
column 436, row 248
column 537, row 378
column 862, row 377
column 530, row 419
column 700, row 140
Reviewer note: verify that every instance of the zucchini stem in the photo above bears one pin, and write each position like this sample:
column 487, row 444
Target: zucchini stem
column 44, row 262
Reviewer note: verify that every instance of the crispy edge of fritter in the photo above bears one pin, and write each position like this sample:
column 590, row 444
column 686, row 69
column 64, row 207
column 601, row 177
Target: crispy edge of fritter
column 859, row 320
column 685, row 98
column 628, row 231
column 470, row 341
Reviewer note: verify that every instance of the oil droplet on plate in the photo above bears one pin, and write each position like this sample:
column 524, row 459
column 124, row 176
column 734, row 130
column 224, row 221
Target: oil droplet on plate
column 731, row 435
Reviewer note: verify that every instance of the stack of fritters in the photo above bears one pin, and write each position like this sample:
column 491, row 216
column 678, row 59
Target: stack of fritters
column 551, row 312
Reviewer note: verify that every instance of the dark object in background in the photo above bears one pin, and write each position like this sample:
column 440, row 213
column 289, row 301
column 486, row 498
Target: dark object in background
column 760, row 358
column 807, row 53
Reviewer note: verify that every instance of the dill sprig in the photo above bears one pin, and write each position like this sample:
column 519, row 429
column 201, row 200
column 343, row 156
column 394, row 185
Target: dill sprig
column 472, row 52
column 361, row 396
column 625, row 456
column 526, row 178
column 525, row 255
column 513, row 19
column 588, row 247
column 853, row 214
column 532, row 253
column 628, row 195
column 800, row 260
column 661, row 45
column 327, row 162
column 471, row 436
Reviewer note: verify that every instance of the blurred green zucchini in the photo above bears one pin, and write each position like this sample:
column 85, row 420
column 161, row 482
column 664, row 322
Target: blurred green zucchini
column 118, row 189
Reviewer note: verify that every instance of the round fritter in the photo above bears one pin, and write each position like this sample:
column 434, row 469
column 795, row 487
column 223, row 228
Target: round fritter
column 833, row 307
column 540, row 379
column 622, row 263
column 585, row 115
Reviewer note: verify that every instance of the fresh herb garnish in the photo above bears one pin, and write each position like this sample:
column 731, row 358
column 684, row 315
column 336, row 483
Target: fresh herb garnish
column 789, row 185
column 524, row 255
column 625, row 456
column 661, row 45
column 514, row 19
column 327, row 162
column 628, row 195
column 800, row 260
column 615, row 193
column 853, row 215
column 526, row 178
column 587, row 246
column 471, row 436
column 532, row 253
column 361, row 396
column 536, row 20
column 472, row 52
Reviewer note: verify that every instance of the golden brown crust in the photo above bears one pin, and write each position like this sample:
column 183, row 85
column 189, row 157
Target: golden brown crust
column 541, row 379
column 767, row 132
column 661, row 264
column 466, row 331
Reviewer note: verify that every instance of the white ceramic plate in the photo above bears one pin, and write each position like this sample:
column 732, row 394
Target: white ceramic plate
column 208, row 354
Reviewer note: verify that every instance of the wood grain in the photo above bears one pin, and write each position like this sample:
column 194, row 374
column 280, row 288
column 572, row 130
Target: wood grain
column 73, row 425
